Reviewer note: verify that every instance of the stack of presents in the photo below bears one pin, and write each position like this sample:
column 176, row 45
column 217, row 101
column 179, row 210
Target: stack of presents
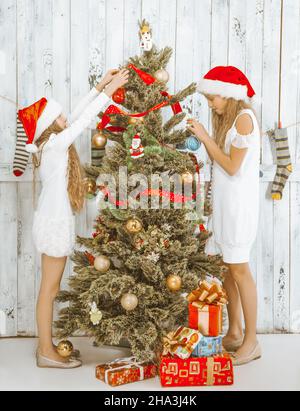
column 192, row 356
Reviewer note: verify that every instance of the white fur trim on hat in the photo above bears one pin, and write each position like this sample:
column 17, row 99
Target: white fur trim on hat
column 50, row 113
column 223, row 89
column 31, row 148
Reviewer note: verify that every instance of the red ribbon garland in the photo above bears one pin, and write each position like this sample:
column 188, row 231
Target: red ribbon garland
column 112, row 109
column 148, row 79
column 175, row 198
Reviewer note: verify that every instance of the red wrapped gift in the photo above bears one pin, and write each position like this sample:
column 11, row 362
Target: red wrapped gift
column 216, row 370
column 206, row 318
column 124, row 371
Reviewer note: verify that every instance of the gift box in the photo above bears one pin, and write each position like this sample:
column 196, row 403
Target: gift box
column 208, row 346
column 203, row 371
column 124, row 371
column 181, row 343
column 205, row 308
column 206, row 318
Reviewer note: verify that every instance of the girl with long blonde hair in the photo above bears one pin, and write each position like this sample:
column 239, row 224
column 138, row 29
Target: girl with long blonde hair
column 50, row 140
column 234, row 149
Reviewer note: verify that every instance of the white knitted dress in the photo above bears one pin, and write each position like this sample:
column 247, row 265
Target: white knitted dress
column 54, row 221
column 235, row 200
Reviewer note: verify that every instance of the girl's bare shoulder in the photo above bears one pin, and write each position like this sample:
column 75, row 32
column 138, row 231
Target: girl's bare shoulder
column 244, row 124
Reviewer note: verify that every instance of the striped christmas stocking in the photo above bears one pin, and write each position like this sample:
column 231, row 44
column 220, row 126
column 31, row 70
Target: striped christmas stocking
column 21, row 156
column 284, row 166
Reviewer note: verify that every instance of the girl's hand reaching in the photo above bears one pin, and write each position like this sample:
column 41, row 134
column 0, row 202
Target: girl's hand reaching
column 109, row 76
column 106, row 79
column 197, row 129
column 119, row 80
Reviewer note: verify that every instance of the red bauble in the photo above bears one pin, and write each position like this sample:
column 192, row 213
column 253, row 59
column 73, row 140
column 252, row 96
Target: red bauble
column 119, row 95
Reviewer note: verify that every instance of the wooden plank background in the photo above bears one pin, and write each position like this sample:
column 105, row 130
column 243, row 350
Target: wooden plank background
column 57, row 47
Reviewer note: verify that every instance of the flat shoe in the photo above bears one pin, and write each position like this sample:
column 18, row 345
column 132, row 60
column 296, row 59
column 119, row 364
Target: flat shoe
column 233, row 345
column 254, row 355
column 44, row 362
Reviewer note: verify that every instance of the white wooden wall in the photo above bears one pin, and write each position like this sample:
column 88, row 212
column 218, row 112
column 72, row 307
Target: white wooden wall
column 53, row 47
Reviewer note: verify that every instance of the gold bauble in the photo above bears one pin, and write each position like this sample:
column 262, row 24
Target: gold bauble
column 90, row 187
column 133, row 226
column 162, row 75
column 187, row 177
column 129, row 301
column 135, row 120
column 65, row 348
column 102, row 263
column 99, row 140
column 174, row 282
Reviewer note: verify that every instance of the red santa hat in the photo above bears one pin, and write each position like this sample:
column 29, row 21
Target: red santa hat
column 228, row 82
column 37, row 118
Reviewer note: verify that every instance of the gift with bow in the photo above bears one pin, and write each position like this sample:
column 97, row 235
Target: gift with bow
column 181, row 343
column 124, row 371
column 205, row 308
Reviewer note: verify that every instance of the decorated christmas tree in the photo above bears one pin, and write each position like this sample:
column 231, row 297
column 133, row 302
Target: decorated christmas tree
column 131, row 275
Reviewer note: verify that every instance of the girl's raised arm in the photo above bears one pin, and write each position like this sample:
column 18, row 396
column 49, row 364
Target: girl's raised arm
column 64, row 139
column 83, row 103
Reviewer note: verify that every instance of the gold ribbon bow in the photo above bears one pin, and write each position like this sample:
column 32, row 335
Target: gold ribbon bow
column 171, row 343
column 208, row 293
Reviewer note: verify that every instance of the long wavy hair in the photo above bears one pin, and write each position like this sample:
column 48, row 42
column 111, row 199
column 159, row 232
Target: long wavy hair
column 75, row 171
column 222, row 123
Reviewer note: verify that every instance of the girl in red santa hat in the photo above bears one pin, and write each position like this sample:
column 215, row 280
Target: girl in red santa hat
column 234, row 148
column 51, row 139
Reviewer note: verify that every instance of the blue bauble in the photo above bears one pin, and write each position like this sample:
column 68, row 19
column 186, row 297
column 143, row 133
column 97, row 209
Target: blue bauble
column 192, row 143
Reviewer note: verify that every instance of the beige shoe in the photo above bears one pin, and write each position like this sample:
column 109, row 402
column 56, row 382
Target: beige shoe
column 44, row 362
column 254, row 355
column 233, row 345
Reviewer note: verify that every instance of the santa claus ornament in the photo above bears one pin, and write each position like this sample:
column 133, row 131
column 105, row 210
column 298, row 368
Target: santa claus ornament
column 136, row 149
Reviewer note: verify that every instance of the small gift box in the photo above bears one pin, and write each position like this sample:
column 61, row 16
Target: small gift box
column 205, row 308
column 181, row 343
column 124, row 371
column 207, row 319
column 208, row 346
column 216, row 370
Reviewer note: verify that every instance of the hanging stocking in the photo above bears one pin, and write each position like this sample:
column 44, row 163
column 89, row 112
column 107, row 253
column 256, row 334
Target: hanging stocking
column 21, row 156
column 284, row 166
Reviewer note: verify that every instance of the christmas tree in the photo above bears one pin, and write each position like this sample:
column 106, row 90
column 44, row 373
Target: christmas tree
column 131, row 275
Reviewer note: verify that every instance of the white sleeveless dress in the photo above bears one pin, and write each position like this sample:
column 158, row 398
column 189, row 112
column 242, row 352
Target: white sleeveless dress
column 54, row 222
column 235, row 199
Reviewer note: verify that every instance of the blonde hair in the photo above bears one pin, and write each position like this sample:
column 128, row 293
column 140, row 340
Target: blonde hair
column 222, row 123
column 75, row 171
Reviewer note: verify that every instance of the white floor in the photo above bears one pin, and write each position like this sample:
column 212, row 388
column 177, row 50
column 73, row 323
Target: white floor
column 278, row 369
